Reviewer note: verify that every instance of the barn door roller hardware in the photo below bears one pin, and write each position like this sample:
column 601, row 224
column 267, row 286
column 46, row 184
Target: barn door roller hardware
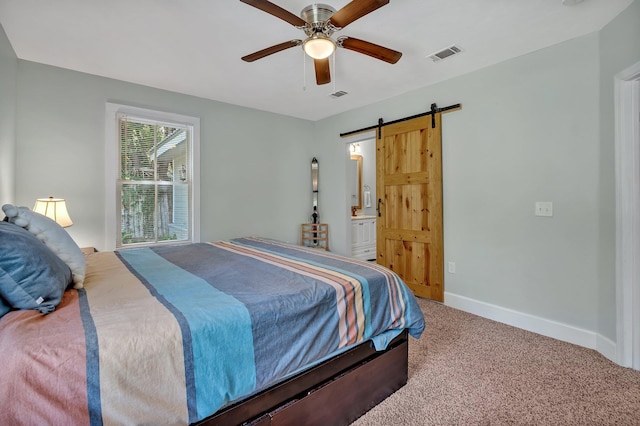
column 434, row 110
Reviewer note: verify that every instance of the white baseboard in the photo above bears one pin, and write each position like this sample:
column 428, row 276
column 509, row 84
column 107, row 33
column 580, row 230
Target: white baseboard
column 546, row 327
column 607, row 348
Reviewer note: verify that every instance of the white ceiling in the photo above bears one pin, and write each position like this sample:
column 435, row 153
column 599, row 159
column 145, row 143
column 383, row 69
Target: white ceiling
column 194, row 46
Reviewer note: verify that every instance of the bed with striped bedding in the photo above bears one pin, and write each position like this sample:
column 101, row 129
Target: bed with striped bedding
column 172, row 334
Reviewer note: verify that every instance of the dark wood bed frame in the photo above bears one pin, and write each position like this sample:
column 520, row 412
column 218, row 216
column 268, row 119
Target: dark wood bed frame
column 335, row 392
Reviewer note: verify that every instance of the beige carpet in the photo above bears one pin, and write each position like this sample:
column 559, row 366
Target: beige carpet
column 467, row 370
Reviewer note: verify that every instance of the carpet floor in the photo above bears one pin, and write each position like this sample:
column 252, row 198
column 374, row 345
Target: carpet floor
column 468, row 370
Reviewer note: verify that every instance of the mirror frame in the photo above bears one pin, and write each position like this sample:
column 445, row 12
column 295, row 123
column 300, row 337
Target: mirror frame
column 358, row 158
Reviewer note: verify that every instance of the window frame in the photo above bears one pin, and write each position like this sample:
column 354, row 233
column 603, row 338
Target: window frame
column 112, row 166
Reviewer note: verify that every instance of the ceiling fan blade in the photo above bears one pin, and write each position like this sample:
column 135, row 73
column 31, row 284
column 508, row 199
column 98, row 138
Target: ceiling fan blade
column 370, row 49
column 277, row 11
column 355, row 10
column 271, row 50
column 323, row 71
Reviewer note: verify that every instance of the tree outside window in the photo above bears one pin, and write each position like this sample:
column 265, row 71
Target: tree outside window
column 154, row 182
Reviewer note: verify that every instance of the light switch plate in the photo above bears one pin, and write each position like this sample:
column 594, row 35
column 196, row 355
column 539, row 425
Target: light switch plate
column 544, row 208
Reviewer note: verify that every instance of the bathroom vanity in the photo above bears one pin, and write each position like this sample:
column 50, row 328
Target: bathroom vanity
column 363, row 237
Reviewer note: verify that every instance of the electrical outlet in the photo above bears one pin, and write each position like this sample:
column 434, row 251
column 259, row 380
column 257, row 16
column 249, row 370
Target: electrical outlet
column 452, row 267
column 544, row 208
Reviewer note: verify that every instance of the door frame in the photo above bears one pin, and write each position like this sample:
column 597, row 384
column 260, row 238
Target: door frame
column 627, row 187
column 360, row 137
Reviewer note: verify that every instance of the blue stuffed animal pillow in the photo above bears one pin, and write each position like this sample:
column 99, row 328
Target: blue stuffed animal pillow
column 4, row 307
column 31, row 275
column 53, row 236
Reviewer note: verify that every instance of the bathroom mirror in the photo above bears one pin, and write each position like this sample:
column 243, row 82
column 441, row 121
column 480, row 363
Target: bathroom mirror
column 355, row 177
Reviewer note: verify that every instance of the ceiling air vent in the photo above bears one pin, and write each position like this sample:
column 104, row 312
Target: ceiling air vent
column 445, row 53
column 338, row 94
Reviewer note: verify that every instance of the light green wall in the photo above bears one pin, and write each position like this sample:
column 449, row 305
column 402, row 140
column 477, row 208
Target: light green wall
column 619, row 49
column 8, row 70
column 255, row 166
column 536, row 128
column 527, row 131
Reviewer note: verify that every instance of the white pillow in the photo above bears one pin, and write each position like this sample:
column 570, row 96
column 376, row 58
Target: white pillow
column 53, row 236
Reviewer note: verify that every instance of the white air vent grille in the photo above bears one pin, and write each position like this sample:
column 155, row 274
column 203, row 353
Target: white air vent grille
column 338, row 94
column 445, row 53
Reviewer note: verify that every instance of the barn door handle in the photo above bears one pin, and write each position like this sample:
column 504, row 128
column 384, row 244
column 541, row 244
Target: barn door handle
column 379, row 202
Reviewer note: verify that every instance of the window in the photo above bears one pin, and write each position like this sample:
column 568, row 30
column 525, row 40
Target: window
column 153, row 194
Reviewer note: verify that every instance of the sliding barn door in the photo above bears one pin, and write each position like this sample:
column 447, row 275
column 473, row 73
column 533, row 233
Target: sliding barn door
column 409, row 187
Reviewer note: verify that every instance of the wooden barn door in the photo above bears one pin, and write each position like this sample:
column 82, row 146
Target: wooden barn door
column 409, row 187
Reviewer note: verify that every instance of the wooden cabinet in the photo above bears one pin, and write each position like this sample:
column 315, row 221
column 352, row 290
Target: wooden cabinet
column 363, row 237
column 314, row 235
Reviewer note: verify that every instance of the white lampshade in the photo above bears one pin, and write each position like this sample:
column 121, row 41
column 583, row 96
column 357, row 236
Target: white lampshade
column 54, row 208
column 319, row 46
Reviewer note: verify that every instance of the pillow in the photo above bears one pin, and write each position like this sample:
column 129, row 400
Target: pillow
column 4, row 307
column 31, row 275
column 53, row 235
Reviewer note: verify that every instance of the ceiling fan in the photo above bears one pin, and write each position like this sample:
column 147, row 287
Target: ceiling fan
column 319, row 22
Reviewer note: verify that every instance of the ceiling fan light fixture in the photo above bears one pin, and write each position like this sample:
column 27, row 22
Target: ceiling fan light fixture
column 319, row 46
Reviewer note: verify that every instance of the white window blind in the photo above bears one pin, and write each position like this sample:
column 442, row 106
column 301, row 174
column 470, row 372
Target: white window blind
column 154, row 182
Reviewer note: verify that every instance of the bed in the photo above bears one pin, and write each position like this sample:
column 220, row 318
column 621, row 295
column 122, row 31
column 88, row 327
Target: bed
column 245, row 331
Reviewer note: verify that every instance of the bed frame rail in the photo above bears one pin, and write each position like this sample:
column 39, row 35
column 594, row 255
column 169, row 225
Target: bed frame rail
column 335, row 392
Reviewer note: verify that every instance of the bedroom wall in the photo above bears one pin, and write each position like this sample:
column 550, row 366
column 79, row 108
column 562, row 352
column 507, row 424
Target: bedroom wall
column 255, row 166
column 619, row 49
column 8, row 75
column 528, row 131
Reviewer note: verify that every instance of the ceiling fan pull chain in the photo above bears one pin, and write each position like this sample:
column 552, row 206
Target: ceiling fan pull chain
column 333, row 72
column 304, row 71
